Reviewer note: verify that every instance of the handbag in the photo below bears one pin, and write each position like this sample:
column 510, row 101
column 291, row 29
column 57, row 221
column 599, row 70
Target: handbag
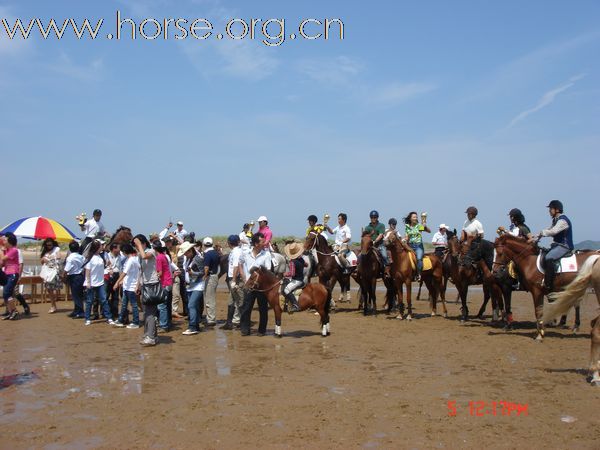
column 48, row 274
column 153, row 294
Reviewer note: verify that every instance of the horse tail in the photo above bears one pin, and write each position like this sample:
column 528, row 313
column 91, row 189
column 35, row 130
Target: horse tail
column 565, row 300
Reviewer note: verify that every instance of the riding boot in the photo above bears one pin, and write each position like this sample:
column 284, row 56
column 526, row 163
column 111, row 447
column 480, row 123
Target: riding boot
column 550, row 273
column 23, row 303
column 230, row 312
column 294, row 306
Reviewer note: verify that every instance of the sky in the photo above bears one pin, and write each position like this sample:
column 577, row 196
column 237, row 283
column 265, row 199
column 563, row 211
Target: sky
column 426, row 106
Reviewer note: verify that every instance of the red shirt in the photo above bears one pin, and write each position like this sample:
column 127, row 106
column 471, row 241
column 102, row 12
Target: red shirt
column 162, row 266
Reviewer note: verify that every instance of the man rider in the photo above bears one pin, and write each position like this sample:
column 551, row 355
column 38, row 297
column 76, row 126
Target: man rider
column 92, row 228
column 342, row 238
column 377, row 232
column 473, row 227
column 562, row 233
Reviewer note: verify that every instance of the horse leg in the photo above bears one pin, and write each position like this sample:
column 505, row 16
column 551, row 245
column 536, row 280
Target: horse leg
column 595, row 353
column 538, row 303
column 408, row 284
column 462, row 292
column 419, row 292
column 277, row 311
column 486, row 299
column 577, row 319
column 508, row 318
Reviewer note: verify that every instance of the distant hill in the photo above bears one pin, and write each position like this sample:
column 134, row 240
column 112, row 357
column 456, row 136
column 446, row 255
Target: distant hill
column 588, row 245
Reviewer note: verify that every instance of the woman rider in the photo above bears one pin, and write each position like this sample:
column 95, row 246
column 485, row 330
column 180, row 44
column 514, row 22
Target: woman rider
column 413, row 231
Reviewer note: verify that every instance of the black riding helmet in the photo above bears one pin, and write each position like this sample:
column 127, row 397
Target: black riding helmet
column 97, row 212
column 556, row 204
column 374, row 213
column 392, row 221
column 515, row 212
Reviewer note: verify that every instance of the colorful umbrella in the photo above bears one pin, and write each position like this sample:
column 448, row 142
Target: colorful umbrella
column 39, row 228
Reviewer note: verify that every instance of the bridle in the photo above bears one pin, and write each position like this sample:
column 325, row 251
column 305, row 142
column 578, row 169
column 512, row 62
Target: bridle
column 517, row 256
column 257, row 272
column 314, row 245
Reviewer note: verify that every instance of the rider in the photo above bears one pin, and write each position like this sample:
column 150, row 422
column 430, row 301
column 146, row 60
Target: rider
column 377, row 232
column 92, row 228
column 473, row 227
column 440, row 240
column 245, row 236
column 517, row 224
column 562, row 233
column 414, row 235
column 263, row 227
column 295, row 274
column 342, row 238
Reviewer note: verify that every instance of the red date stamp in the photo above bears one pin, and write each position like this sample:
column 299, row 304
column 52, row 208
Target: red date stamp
column 481, row 408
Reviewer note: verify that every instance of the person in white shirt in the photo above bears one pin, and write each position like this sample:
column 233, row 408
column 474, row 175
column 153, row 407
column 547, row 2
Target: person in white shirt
column 342, row 237
column 235, row 280
column 440, row 240
column 94, row 283
column 75, row 278
column 128, row 280
column 113, row 266
column 245, row 236
column 258, row 257
column 93, row 229
column 472, row 226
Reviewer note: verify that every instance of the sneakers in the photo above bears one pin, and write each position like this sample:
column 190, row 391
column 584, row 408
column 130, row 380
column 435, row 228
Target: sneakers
column 88, row 322
column 131, row 326
column 147, row 341
column 118, row 324
column 227, row 326
column 14, row 316
column 111, row 322
column 52, row 310
column 189, row 332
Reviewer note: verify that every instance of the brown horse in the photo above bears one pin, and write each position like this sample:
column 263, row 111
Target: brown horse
column 464, row 274
column 588, row 276
column 328, row 270
column 315, row 295
column 369, row 269
column 123, row 235
column 525, row 254
column 402, row 273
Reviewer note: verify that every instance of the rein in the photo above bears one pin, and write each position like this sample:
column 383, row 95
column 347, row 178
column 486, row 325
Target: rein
column 263, row 290
column 315, row 244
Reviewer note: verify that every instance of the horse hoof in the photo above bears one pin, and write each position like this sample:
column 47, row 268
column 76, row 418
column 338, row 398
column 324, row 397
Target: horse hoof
column 575, row 329
column 399, row 317
column 445, row 315
column 539, row 338
column 409, row 317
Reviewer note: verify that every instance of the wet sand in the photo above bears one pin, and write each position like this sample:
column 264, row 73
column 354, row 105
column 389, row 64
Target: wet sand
column 375, row 382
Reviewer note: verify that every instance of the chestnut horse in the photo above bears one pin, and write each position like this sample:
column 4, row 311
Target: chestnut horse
column 402, row 273
column 328, row 270
column 315, row 295
column 368, row 270
column 525, row 254
column 464, row 275
column 588, row 276
column 123, row 235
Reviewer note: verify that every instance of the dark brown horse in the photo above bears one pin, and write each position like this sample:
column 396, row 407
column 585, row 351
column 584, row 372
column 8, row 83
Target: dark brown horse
column 525, row 255
column 315, row 295
column 328, row 270
column 402, row 271
column 123, row 235
column 463, row 274
column 369, row 269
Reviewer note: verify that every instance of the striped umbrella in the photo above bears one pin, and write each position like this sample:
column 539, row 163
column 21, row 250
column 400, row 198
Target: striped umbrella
column 39, row 228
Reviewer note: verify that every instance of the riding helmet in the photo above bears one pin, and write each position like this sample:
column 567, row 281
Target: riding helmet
column 515, row 212
column 312, row 218
column 97, row 212
column 472, row 210
column 556, row 204
column 374, row 214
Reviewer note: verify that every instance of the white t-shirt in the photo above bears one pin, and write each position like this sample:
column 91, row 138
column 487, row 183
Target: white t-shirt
column 96, row 268
column 93, row 229
column 131, row 269
column 244, row 240
column 473, row 227
column 74, row 264
column 180, row 235
column 263, row 259
column 341, row 234
column 440, row 240
column 234, row 260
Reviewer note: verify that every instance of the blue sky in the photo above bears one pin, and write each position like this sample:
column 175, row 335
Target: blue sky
column 428, row 106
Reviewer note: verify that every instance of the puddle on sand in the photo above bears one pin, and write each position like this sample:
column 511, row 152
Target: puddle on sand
column 87, row 443
column 221, row 362
column 17, row 379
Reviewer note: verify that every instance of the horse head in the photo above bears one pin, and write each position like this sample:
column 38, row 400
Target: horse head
column 366, row 243
column 123, row 235
column 453, row 243
column 253, row 281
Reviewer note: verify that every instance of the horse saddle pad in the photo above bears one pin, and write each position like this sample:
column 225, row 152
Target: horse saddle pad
column 426, row 262
column 350, row 257
column 568, row 264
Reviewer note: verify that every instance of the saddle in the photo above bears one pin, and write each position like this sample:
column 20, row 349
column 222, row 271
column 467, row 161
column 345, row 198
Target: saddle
column 426, row 262
column 566, row 264
column 352, row 261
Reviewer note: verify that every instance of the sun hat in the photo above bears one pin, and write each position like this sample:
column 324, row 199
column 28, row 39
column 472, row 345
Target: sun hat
column 184, row 248
column 293, row 250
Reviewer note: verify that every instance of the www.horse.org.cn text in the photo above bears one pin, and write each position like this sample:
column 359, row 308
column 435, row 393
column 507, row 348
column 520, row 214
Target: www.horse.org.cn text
column 270, row 32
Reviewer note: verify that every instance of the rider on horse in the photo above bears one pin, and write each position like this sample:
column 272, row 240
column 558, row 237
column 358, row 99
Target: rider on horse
column 377, row 231
column 414, row 235
column 517, row 224
column 473, row 227
column 294, row 277
column 342, row 238
column 562, row 233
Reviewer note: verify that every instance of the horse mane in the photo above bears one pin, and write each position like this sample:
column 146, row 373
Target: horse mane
column 365, row 233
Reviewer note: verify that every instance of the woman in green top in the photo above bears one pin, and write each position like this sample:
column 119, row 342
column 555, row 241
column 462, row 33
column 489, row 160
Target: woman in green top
column 414, row 237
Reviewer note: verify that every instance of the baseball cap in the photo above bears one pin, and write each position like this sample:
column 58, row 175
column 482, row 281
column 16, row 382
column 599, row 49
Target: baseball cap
column 207, row 241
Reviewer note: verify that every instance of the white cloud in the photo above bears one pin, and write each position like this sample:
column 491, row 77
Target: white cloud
column 395, row 93
column 546, row 99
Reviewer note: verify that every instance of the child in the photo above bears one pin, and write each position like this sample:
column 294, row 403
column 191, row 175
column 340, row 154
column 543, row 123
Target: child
column 129, row 280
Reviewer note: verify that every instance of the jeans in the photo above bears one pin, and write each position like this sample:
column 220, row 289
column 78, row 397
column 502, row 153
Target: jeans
column 113, row 296
column 76, row 285
column 9, row 288
column 263, row 309
column 195, row 307
column 131, row 298
column 383, row 252
column 164, row 309
column 419, row 251
column 98, row 292
column 150, row 321
column 210, row 298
